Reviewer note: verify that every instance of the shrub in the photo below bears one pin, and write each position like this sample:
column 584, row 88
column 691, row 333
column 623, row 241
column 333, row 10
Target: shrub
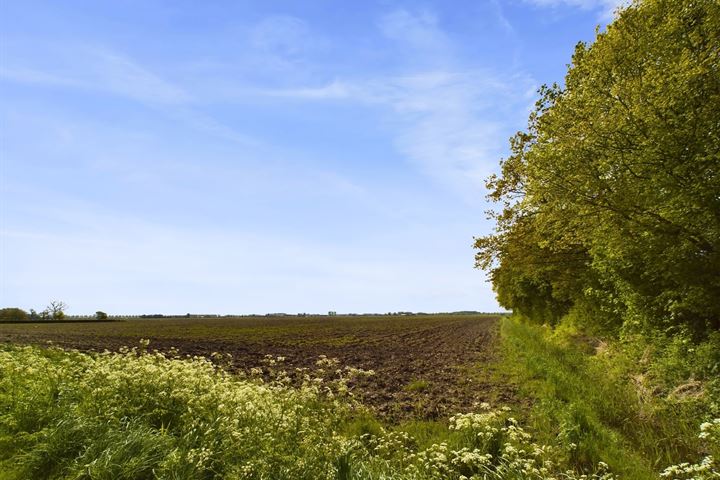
column 12, row 314
column 141, row 415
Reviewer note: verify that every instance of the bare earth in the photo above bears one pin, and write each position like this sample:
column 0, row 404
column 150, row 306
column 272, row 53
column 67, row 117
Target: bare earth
column 427, row 366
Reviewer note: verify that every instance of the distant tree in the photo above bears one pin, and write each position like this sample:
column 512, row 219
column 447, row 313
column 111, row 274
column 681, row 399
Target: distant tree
column 12, row 314
column 56, row 310
column 100, row 315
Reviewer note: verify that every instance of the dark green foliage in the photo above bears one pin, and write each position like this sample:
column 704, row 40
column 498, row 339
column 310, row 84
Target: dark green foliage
column 12, row 314
column 611, row 198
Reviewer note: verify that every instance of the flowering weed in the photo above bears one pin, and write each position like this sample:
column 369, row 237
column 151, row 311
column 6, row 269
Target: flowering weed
column 140, row 415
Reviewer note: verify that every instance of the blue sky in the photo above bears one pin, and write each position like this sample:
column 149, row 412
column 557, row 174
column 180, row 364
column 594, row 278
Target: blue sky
column 265, row 156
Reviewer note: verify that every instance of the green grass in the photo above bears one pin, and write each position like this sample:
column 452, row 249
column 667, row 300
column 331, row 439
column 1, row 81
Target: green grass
column 135, row 415
column 130, row 416
column 418, row 385
column 606, row 404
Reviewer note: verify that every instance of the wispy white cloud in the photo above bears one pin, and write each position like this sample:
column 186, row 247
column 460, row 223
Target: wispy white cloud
column 453, row 125
column 99, row 70
column 449, row 118
column 30, row 76
column 207, row 124
column 334, row 90
column 416, row 29
column 453, row 118
column 607, row 8
column 502, row 20
column 180, row 171
column 282, row 35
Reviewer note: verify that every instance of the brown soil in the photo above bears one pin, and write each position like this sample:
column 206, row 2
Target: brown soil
column 425, row 370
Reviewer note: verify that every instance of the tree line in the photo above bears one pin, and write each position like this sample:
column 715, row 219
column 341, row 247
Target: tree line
column 54, row 311
column 608, row 207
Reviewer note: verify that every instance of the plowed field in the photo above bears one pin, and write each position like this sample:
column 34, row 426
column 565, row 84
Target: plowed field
column 427, row 366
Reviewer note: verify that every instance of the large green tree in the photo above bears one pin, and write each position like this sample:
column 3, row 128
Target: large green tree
column 610, row 200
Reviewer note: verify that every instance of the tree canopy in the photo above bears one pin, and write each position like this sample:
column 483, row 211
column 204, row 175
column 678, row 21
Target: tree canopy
column 610, row 200
column 13, row 314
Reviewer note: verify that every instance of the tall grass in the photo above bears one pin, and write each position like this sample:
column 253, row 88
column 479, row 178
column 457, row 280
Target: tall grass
column 635, row 404
column 139, row 415
column 136, row 416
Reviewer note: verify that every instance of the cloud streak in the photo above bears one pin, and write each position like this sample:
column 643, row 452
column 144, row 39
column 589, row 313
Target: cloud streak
column 452, row 125
column 102, row 71
column 99, row 70
column 607, row 7
column 448, row 119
